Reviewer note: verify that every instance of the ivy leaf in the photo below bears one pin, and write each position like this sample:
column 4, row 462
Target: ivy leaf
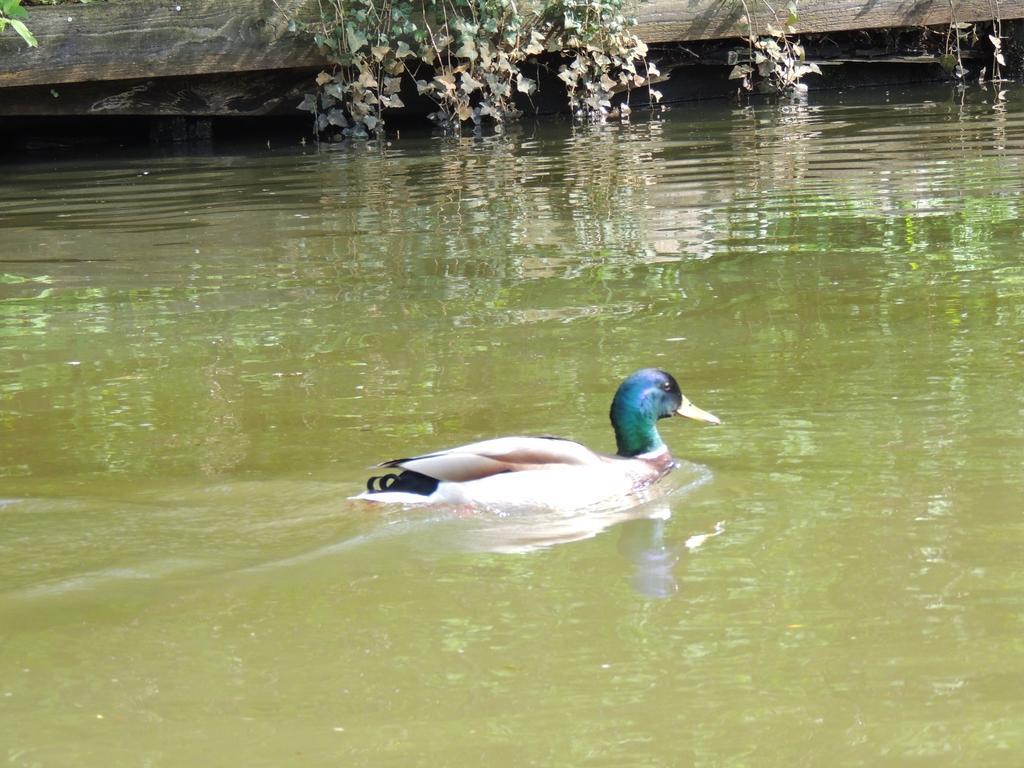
column 536, row 44
column 355, row 38
column 22, row 30
column 468, row 84
column 308, row 103
column 13, row 10
column 323, row 79
column 447, row 82
column 467, row 51
column 504, row 65
column 525, row 84
column 336, row 117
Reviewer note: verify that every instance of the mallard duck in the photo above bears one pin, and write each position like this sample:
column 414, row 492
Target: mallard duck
column 512, row 471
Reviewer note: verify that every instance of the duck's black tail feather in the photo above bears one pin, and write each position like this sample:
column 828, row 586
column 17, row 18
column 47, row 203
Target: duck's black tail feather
column 406, row 481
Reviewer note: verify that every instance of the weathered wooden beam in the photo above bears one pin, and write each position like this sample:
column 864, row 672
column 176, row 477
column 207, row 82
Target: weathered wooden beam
column 138, row 39
column 129, row 39
column 664, row 21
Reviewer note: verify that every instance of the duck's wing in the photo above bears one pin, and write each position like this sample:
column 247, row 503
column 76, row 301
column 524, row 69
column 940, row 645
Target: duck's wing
column 493, row 457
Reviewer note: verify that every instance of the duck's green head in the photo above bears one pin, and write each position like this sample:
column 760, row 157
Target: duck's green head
column 642, row 399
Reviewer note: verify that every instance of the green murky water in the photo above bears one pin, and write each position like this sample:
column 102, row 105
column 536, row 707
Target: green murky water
column 201, row 355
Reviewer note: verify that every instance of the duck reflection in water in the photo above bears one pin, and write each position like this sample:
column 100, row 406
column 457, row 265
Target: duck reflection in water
column 643, row 532
column 642, row 543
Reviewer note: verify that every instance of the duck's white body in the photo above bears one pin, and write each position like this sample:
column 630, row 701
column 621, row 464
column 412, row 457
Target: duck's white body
column 547, row 471
column 527, row 472
column 533, row 488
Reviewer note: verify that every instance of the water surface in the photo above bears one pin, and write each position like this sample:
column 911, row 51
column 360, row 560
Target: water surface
column 200, row 355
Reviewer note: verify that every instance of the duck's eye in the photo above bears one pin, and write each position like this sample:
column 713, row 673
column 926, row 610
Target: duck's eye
column 666, row 386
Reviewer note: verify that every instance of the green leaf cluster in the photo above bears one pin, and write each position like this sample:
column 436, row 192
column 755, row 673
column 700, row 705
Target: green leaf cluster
column 11, row 13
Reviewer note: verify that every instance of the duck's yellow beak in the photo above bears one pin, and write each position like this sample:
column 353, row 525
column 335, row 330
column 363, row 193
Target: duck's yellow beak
column 691, row 411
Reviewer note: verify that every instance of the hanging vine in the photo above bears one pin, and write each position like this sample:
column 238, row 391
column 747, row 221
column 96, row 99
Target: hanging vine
column 776, row 59
column 474, row 59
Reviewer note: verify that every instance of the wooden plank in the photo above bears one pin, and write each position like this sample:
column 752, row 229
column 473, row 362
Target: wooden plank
column 127, row 39
column 663, row 21
column 133, row 39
